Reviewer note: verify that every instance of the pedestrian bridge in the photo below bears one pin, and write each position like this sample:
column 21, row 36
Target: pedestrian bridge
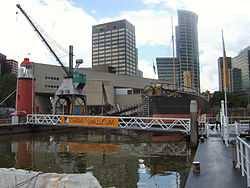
column 134, row 123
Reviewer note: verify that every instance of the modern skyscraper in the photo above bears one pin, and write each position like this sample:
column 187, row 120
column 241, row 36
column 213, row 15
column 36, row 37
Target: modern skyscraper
column 113, row 45
column 221, row 73
column 3, row 66
column 236, row 81
column 12, row 65
column 187, row 50
column 165, row 69
column 242, row 62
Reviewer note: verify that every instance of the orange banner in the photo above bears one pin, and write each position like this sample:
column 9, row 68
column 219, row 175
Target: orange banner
column 89, row 148
column 90, row 121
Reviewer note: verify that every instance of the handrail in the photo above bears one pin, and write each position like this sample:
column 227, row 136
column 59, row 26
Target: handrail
column 242, row 157
column 145, row 123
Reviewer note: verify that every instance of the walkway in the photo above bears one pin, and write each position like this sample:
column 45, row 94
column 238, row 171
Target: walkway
column 216, row 167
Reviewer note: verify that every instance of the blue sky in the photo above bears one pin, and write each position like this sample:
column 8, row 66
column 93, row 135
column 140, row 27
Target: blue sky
column 108, row 8
column 70, row 22
column 112, row 8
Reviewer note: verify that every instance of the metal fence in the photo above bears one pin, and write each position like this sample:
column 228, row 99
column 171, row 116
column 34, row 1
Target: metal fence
column 5, row 121
column 141, row 123
column 242, row 157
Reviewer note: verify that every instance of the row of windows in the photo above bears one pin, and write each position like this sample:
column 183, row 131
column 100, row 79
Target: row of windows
column 120, row 34
column 116, row 64
column 109, row 38
column 114, row 43
column 110, row 31
column 113, row 57
column 95, row 48
column 109, row 56
column 51, row 78
column 107, row 46
column 108, row 53
column 51, row 86
column 120, row 38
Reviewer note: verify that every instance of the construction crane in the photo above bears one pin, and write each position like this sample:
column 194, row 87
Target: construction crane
column 67, row 72
column 71, row 88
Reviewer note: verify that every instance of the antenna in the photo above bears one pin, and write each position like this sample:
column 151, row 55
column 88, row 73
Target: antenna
column 173, row 46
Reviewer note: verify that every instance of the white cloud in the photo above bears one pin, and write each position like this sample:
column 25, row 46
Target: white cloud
column 68, row 24
column 65, row 23
column 151, row 27
column 232, row 16
column 147, row 68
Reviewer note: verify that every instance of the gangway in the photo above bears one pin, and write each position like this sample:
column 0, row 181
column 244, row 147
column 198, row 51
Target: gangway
column 135, row 123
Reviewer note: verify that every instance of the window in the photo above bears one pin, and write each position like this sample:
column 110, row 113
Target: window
column 114, row 34
column 114, row 49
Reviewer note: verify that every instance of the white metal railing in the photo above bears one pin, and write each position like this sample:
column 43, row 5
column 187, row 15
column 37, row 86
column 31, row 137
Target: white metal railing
column 145, row 123
column 242, row 157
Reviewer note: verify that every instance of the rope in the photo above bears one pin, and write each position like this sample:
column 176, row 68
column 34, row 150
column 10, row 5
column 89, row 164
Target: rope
column 28, row 180
column 7, row 97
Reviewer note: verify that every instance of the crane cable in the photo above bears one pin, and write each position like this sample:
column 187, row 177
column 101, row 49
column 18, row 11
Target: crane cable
column 7, row 97
column 63, row 51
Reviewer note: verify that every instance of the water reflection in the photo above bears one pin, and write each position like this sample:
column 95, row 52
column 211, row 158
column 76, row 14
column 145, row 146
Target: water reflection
column 115, row 160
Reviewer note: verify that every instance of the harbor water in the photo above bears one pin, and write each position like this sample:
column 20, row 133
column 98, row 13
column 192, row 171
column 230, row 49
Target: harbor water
column 116, row 159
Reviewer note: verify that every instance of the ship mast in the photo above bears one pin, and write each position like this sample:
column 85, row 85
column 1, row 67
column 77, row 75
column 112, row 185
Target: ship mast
column 225, row 74
column 173, row 48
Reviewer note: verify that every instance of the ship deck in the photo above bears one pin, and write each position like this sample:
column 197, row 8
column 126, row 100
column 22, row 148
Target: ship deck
column 216, row 167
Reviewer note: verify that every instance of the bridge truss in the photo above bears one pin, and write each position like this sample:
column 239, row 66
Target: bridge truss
column 135, row 123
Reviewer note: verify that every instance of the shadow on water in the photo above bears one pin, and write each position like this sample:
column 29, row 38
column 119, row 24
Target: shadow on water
column 115, row 159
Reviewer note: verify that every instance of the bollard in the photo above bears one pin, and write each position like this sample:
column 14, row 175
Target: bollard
column 202, row 139
column 194, row 124
column 196, row 167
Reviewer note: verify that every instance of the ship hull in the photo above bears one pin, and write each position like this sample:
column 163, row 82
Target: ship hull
column 177, row 105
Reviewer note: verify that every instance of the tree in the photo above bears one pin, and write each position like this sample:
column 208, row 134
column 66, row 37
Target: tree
column 7, row 86
column 234, row 100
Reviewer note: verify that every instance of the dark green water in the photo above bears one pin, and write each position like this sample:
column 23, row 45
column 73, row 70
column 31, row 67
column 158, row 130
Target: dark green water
column 115, row 159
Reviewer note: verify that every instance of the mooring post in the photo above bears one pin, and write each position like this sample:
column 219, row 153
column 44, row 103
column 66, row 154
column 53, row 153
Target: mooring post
column 194, row 123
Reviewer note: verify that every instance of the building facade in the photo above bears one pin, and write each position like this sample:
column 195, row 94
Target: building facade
column 12, row 66
column 113, row 44
column 236, row 81
column 187, row 50
column 166, row 66
column 221, row 74
column 242, row 62
column 3, row 66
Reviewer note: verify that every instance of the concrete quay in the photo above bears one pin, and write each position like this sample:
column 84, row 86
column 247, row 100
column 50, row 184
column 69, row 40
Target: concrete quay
column 216, row 167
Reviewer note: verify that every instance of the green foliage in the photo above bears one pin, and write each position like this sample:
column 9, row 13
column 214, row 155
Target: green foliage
column 234, row 101
column 8, row 85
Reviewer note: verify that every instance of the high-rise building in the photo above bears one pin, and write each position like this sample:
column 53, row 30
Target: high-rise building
column 242, row 62
column 12, row 66
column 187, row 50
column 166, row 67
column 113, row 45
column 221, row 74
column 236, row 81
column 3, row 66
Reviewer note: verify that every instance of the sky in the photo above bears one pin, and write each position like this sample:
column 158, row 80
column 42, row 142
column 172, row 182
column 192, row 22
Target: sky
column 66, row 22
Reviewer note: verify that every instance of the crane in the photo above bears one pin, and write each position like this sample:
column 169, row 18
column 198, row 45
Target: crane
column 67, row 72
column 71, row 88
